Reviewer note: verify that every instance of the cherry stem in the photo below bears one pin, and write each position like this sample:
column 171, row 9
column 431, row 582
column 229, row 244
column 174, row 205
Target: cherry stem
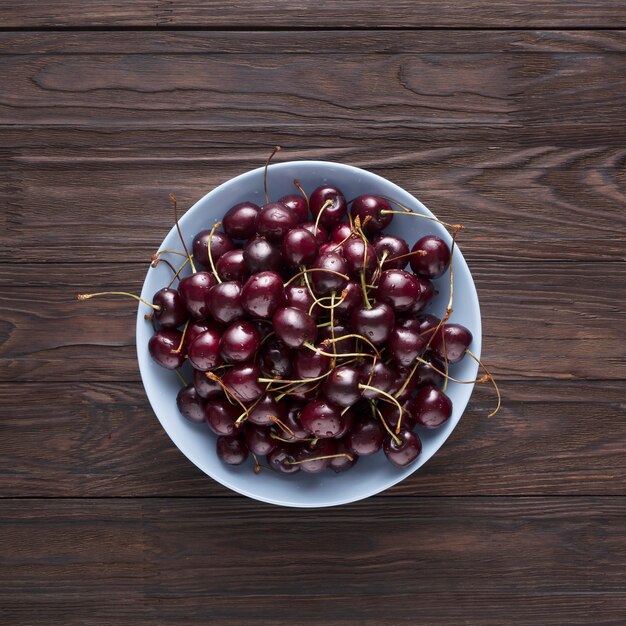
column 182, row 338
column 359, row 230
column 379, row 268
column 296, row 182
column 157, row 254
column 229, row 393
column 274, row 151
column 257, row 465
column 402, row 256
column 181, row 377
column 332, row 328
column 386, row 395
column 322, row 458
column 208, row 250
column 408, row 211
column 331, row 355
column 355, row 336
column 318, row 302
column 88, row 296
column 284, row 426
column 408, row 378
column 156, row 262
column 177, row 274
column 180, row 234
column 386, row 427
column 319, row 215
column 489, row 377
column 314, row 269
column 483, row 379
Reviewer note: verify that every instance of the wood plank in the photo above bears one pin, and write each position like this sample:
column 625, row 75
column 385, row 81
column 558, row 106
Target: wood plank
column 102, row 439
column 46, row 335
column 546, row 202
column 315, row 42
column 319, row 14
column 427, row 560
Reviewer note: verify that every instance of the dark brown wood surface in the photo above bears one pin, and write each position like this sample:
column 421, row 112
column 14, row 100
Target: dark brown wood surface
column 506, row 116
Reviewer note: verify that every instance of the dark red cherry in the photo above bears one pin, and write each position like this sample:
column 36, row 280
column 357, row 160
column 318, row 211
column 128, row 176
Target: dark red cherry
column 426, row 324
column 330, row 246
column 225, row 302
column 341, row 386
column 352, row 297
column 405, row 379
column 348, row 421
column 405, row 453
column 162, row 347
column 240, row 221
column 206, row 388
column 239, row 342
column 426, row 293
column 204, row 350
column 221, row 416
column 220, row 244
column 263, row 294
column 391, row 247
column 260, row 255
column 427, row 375
column 243, row 382
column 294, row 327
column 259, row 440
column 320, row 233
column 375, row 323
column 310, row 364
column 309, row 457
column 300, row 247
column 368, row 206
column 389, row 414
column 366, row 436
column 190, row 404
column 282, row 459
column 292, row 421
column 329, row 275
column 450, row 342
column 298, row 206
column 436, row 260
column 404, row 345
column 342, row 463
column 398, row 289
column 322, row 419
column 274, row 221
column 379, row 375
column 275, row 359
column 172, row 311
column 340, row 232
column 231, row 266
column 232, row 450
column 262, row 412
column 301, row 298
column 359, row 256
column 431, row 407
column 343, row 346
column 335, row 212
column 195, row 292
column 197, row 327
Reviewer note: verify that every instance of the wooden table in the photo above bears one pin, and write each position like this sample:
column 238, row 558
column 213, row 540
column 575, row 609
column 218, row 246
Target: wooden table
column 508, row 116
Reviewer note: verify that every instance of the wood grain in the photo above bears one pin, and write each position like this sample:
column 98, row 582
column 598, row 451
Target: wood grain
column 318, row 14
column 102, row 439
column 472, row 560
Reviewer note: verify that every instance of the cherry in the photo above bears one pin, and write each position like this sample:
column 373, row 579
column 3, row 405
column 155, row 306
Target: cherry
column 298, row 206
column 310, row 364
column 426, row 324
column 240, row 220
column 379, row 375
column 426, row 293
column 398, row 289
column 366, row 437
column 162, row 347
column 220, row 244
column 334, row 212
column 204, row 350
column 260, row 255
column 406, row 452
column 239, row 342
column 300, row 247
column 231, row 266
column 346, row 346
column 450, row 342
column 224, row 302
column 172, row 311
column 348, row 421
column 330, row 279
column 221, row 416
column 426, row 374
column 341, row 386
column 431, row 407
column 311, row 459
column 259, row 440
column 294, row 326
column 196, row 328
column 389, row 415
column 320, row 234
column 347, row 459
column 330, row 246
column 436, row 260
column 369, row 206
column 393, row 247
column 405, row 384
column 404, row 345
column 265, row 409
column 375, row 323
column 304, row 392
column 322, row 419
column 195, row 292
column 282, row 459
column 274, row 221
column 207, row 388
column 263, row 294
column 301, row 298
column 190, row 404
column 292, row 421
column 359, row 256
column 351, row 298
column 243, row 382
column 232, row 450
column 341, row 232
column 275, row 359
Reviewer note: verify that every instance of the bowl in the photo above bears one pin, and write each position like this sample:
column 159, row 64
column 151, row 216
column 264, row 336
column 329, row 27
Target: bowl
column 373, row 474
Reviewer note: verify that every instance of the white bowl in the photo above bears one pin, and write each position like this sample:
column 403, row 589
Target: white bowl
column 371, row 475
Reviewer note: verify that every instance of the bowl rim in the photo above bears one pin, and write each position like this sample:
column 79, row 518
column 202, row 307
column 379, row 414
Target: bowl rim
column 142, row 350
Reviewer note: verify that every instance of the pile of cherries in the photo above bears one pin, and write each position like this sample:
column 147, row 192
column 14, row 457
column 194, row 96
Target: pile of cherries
column 307, row 334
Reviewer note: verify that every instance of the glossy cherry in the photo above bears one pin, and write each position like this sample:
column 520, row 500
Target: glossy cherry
column 335, row 212
column 375, row 323
column 231, row 266
column 207, row 388
column 366, row 436
column 294, row 327
column 243, row 382
column 197, row 327
column 275, row 359
column 427, row 375
column 301, row 298
column 389, row 415
column 298, row 206
column 232, row 450
column 220, row 244
column 172, row 311
column 274, row 221
column 319, row 232
column 240, row 221
column 300, row 247
column 379, row 375
column 162, row 347
column 260, row 255
column 239, row 342
column 369, row 207
column 341, row 346
column 404, row 345
column 426, row 294
column 195, row 292
column 282, row 459
column 263, row 294
column 391, row 247
column 224, row 302
column 340, row 232
column 436, row 260
column 190, row 404
column 450, row 342
column 259, row 440
column 310, row 458
column 329, row 275
column 359, row 256
column 398, row 289
column 322, row 419
column 406, row 452
column 204, row 350
column 351, row 298
column 265, row 409
column 310, row 364
column 345, row 462
column 221, row 416
column 341, row 386
column 431, row 407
